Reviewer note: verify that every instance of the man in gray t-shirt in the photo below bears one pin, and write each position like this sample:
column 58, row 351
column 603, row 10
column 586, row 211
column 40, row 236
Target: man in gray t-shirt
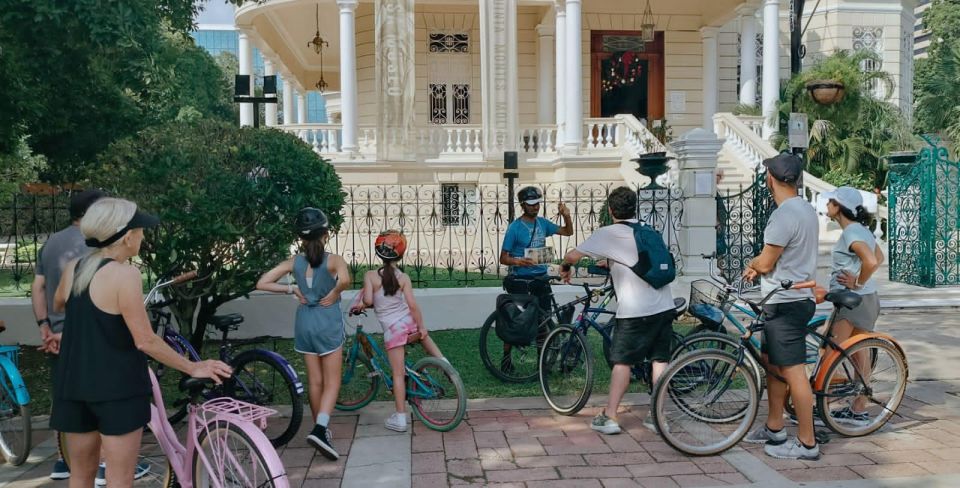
column 790, row 245
column 60, row 249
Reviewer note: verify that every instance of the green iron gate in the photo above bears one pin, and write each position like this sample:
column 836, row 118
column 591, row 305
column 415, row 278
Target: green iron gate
column 924, row 224
column 741, row 218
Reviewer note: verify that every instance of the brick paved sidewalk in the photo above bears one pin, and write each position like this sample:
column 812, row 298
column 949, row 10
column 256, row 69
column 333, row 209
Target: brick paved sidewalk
column 537, row 448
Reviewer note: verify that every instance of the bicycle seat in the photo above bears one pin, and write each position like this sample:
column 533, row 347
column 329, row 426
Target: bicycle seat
column 680, row 305
column 226, row 322
column 194, row 386
column 845, row 299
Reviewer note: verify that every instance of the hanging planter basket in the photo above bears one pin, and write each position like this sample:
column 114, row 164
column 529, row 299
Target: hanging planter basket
column 826, row 92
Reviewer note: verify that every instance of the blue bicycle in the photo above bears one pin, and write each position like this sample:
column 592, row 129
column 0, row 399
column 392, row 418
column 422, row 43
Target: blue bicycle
column 15, row 423
column 434, row 388
column 566, row 358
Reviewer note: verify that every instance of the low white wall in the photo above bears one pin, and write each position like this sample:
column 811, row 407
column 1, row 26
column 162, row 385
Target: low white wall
column 269, row 314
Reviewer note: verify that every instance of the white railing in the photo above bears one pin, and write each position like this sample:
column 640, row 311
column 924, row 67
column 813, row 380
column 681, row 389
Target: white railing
column 327, row 139
column 600, row 133
column 742, row 136
column 450, row 139
column 636, row 138
column 538, row 139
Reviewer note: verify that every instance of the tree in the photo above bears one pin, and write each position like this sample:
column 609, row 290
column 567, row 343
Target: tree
column 848, row 139
column 226, row 197
column 18, row 167
column 78, row 75
column 935, row 87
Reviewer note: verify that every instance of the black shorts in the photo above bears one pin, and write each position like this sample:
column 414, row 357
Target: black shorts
column 785, row 331
column 639, row 338
column 115, row 417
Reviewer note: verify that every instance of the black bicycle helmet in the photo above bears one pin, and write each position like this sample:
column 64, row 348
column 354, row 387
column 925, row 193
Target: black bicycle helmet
column 529, row 194
column 310, row 220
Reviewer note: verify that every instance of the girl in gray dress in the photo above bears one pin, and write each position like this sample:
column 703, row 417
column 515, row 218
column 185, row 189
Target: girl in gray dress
column 856, row 257
column 318, row 329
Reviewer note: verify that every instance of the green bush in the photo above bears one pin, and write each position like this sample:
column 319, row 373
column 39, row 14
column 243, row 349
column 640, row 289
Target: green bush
column 227, row 198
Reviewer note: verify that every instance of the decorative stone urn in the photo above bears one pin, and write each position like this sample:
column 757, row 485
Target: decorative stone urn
column 652, row 165
column 826, row 92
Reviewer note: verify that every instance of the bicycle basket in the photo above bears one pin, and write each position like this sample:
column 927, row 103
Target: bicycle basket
column 12, row 353
column 236, row 409
column 708, row 293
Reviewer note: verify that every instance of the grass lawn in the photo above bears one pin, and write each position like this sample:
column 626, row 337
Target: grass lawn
column 459, row 346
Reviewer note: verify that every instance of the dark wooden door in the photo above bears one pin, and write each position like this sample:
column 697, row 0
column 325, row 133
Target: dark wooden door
column 627, row 76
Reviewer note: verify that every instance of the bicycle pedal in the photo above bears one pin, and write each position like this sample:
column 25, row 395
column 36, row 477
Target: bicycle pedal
column 822, row 436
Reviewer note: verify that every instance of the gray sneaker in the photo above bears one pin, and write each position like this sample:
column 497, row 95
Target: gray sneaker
column 761, row 435
column 605, row 425
column 793, row 450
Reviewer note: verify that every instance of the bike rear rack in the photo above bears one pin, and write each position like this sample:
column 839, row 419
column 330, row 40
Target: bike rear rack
column 238, row 410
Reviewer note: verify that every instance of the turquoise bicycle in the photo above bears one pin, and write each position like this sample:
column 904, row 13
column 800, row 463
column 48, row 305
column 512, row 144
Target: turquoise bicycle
column 15, row 423
column 434, row 388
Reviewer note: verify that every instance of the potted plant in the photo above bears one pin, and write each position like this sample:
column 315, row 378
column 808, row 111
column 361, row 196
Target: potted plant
column 826, row 92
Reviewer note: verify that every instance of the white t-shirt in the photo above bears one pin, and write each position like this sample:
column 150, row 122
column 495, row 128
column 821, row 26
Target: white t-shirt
column 635, row 297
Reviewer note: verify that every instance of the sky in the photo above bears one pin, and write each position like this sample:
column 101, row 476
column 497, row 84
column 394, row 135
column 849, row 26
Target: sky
column 216, row 12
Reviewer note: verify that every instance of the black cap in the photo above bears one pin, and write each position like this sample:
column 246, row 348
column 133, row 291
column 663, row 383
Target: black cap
column 785, row 167
column 81, row 201
column 140, row 220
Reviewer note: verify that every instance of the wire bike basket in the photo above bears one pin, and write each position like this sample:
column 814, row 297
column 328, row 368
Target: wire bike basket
column 236, row 409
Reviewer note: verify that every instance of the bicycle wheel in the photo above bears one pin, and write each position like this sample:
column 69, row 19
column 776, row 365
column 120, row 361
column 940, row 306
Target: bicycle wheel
column 727, row 392
column 512, row 364
column 722, row 342
column 15, row 422
column 237, row 459
column 874, row 393
column 262, row 379
column 566, row 370
column 360, row 382
column 439, row 400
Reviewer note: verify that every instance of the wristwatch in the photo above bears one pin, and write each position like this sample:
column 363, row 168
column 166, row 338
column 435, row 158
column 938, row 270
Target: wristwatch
column 43, row 321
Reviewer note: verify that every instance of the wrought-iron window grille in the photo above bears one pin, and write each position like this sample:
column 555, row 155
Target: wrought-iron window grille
column 446, row 43
column 451, row 199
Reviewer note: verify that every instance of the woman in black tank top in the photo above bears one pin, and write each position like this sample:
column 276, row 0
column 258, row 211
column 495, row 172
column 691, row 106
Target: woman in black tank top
column 101, row 388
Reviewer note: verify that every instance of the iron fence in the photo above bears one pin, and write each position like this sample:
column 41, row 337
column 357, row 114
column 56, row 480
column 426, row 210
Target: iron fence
column 25, row 223
column 924, row 226
column 454, row 231
column 741, row 219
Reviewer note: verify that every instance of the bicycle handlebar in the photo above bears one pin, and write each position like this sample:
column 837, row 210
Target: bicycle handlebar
column 185, row 277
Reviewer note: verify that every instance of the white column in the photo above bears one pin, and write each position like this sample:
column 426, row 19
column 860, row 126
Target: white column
column 270, row 109
column 748, row 56
column 246, row 68
column 546, row 97
column 348, row 75
column 771, row 65
column 573, row 132
column 711, row 75
column 697, row 154
column 301, row 107
column 288, row 96
column 561, row 59
column 499, row 87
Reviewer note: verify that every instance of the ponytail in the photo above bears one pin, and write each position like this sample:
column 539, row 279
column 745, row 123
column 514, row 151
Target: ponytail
column 388, row 275
column 314, row 247
column 862, row 216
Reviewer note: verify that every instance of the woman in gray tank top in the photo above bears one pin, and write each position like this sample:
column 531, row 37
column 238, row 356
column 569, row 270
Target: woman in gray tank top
column 318, row 326
column 856, row 257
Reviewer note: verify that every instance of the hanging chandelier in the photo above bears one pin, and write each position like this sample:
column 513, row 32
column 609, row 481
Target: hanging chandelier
column 647, row 24
column 317, row 44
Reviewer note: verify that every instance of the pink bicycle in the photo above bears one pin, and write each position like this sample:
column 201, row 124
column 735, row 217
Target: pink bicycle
column 225, row 445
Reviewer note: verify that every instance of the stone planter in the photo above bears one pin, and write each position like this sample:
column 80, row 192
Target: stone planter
column 652, row 165
column 826, row 92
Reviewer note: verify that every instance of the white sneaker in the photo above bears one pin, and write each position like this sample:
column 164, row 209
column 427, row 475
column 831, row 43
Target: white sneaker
column 397, row 422
column 605, row 425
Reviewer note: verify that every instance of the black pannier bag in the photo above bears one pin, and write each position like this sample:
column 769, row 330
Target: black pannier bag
column 518, row 318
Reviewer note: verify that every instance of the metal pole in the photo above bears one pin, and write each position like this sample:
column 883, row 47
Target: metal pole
column 510, row 198
column 796, row 35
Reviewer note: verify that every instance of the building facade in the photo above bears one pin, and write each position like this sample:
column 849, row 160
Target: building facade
column 435, row 91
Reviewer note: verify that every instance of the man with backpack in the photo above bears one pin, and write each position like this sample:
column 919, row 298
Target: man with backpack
column 645, row 308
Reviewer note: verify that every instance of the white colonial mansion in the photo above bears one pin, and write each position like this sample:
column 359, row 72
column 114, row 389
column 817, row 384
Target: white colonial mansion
column 435, row 91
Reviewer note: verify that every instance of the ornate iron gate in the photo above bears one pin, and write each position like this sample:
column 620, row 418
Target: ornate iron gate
column 741, row 218
column 925, row 218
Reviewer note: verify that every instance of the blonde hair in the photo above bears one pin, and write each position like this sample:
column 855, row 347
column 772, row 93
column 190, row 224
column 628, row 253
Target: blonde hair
column 103, row 219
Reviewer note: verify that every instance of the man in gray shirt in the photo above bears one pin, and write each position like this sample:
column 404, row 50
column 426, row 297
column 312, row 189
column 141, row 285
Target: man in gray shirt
column 60, row 249
column 791, row 241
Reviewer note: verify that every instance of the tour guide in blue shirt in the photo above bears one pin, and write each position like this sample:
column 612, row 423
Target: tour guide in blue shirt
column 530, row 231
